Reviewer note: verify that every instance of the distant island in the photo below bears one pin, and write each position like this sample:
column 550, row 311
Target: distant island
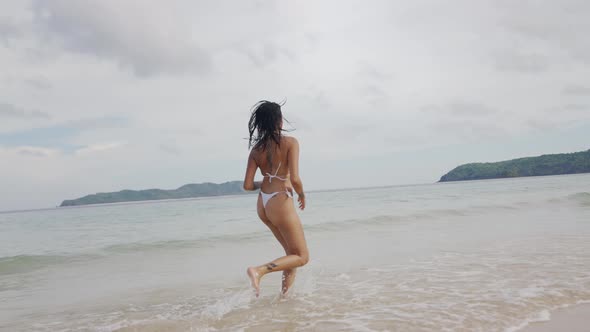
column 186, row 191
column 550, row 164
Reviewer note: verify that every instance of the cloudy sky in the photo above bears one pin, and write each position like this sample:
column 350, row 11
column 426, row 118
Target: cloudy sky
column 102, row 95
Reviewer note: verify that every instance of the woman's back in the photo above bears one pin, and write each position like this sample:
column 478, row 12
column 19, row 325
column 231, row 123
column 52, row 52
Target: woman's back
column 274, row 164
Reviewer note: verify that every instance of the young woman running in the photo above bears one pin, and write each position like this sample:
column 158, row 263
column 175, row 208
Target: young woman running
column 277, row 156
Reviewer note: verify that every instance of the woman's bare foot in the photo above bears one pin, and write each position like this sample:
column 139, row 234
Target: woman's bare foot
column 254, row 279
column 287, row 280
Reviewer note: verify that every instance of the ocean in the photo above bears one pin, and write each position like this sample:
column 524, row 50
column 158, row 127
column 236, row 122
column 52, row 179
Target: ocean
column 489, row 255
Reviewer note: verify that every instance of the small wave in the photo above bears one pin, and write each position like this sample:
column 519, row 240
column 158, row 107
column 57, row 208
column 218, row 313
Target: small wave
column 582, row 198
column 237, row 299
column 432, row 214
column 28, row 263
column 132, row 247
column 541, row 316
column 210, row 241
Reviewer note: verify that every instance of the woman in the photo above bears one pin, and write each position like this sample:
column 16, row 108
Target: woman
column 277, row 156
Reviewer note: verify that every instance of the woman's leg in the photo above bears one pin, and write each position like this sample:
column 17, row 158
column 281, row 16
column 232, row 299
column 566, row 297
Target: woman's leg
column 275, row 231
column 280, row 210
column 289, row 274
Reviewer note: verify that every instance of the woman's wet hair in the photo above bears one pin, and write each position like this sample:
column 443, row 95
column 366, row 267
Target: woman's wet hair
column 266, row 122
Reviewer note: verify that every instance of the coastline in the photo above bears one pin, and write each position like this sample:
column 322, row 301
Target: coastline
column 571, row 319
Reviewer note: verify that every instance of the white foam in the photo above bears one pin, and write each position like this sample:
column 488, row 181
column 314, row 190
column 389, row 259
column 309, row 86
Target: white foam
column 541, row 316
column 531, row 292
column 221, row 307
column 342, row 276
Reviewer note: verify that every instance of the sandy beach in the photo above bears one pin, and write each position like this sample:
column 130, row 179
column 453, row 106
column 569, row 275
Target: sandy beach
column 572, row 319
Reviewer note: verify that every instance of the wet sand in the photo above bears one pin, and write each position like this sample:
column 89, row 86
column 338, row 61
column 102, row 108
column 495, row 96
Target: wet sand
column 573, row 319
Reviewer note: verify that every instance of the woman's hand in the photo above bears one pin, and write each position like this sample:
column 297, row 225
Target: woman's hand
column 301, row 200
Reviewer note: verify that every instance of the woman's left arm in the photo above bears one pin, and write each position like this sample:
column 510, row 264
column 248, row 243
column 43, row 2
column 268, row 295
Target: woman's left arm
column 249, row 183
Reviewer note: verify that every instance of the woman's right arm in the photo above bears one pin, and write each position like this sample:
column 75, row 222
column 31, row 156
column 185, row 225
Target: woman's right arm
column 249, row 183
column 294, row 171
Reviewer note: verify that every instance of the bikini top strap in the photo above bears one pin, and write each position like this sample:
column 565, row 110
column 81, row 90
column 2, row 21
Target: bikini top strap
column 270, row 176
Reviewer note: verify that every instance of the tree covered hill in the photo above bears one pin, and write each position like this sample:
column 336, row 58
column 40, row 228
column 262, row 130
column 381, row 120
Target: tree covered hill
column 186, row 191
column 550, row 164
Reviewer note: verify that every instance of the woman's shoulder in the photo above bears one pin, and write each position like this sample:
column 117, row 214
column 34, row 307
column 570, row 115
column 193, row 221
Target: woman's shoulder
column 290, row 140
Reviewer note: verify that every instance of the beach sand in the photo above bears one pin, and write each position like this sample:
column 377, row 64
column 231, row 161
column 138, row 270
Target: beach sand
column 573, row 319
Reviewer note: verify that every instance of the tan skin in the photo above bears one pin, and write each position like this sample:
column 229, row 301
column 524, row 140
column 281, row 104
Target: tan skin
column 279, row 214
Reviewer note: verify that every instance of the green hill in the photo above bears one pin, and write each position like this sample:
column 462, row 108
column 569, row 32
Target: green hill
column 186, row 191
column 550, row 164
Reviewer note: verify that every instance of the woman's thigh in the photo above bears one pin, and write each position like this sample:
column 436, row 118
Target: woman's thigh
column 275, row 231
column 282, row 214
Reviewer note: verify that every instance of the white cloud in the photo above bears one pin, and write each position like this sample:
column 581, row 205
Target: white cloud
column 9, row 110
column 90, row 149
column 141, row 35
column 576, row 90
column 33, row 151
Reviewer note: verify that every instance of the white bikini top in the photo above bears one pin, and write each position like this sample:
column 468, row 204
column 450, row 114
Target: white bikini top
column 271, row 176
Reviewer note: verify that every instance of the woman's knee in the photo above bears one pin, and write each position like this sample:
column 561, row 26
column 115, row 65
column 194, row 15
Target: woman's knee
column 303, row 255
column 304, row 258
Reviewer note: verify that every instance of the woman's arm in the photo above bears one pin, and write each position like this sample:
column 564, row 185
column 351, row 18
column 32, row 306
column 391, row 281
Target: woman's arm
column 294, row 171
column 249, row 183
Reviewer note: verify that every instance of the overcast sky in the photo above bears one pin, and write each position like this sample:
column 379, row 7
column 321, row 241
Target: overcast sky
column 105, row 95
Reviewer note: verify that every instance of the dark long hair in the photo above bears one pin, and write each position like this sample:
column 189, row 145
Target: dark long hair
column 266, row 122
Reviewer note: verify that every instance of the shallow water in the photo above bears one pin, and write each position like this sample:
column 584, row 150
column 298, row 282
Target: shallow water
column 481, row 255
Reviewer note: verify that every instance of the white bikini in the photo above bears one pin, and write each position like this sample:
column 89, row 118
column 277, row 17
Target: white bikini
column 265, row 196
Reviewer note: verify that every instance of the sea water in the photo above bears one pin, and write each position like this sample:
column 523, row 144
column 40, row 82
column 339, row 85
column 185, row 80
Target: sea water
column 466, row 256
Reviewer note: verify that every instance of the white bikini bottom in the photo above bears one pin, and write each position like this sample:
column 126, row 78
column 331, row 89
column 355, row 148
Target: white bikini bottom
column 266, row 197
